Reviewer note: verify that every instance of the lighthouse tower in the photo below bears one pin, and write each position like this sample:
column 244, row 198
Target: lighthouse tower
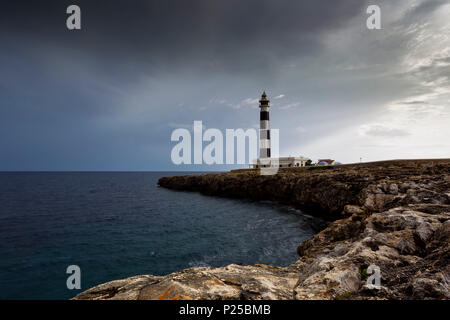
column 265, row 160
column 264, row 128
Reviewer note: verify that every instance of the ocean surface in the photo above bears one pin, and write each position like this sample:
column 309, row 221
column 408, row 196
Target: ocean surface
column 121, row 224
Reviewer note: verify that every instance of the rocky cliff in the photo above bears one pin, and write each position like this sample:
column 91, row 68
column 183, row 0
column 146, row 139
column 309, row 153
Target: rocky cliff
column 392, row 214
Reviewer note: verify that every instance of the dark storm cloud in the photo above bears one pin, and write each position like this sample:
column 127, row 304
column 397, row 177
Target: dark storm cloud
column 107, row 97
column 424, row 9
column 209, row 35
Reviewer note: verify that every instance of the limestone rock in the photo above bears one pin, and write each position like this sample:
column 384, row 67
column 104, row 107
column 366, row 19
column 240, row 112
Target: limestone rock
column 392, row 214
column 230, row 282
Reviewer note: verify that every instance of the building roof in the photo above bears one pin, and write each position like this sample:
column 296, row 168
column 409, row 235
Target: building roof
column 329, row 161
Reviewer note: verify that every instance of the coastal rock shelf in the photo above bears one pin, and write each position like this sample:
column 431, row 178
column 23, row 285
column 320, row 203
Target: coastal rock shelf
column 392, row 214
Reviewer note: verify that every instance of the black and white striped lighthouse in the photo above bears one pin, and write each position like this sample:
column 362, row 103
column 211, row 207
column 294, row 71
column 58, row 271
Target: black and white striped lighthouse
column 264, row 128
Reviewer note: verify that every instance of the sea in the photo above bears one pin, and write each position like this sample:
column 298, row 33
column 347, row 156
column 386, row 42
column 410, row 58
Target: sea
column 114, row 225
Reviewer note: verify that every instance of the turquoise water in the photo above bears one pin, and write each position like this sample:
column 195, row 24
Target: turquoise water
column 116, row 225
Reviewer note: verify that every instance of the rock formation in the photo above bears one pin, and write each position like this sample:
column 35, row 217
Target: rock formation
column 392, row 214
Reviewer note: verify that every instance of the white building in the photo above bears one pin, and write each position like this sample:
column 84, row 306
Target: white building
column 282, row 162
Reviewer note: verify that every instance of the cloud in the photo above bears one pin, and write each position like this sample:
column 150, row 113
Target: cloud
column 414, row 102
column 248, row 102
column 289, row 106
column 188, row 126
column 116, row 85
column 218, row 101
column 199, row 35
column 382, row 130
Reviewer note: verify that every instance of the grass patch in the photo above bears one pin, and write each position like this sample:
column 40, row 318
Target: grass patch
column 363, row 273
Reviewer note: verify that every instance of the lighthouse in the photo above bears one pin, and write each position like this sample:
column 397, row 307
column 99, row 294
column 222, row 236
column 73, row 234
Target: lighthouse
column 264, row 127
column 265, row 160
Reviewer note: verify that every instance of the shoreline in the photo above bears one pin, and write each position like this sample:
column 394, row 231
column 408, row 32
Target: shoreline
column 393, row 214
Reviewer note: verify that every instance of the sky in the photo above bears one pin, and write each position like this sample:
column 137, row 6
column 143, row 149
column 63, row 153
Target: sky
column 108, row 96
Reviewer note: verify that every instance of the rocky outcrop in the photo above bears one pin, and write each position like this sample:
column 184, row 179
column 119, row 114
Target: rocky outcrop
column 230, row 282
column 392, row 214
column 410, row 245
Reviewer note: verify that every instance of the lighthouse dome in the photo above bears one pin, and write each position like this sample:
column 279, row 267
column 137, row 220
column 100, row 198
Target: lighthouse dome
column 264, row 101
